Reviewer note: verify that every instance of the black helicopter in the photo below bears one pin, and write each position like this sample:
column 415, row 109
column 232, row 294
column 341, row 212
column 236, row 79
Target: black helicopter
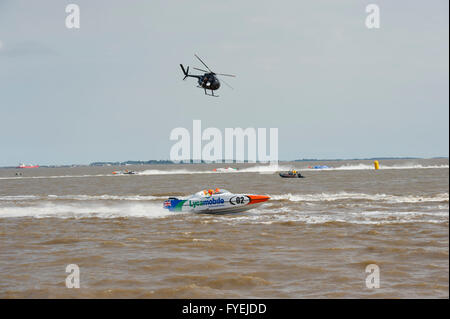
column 207, row 81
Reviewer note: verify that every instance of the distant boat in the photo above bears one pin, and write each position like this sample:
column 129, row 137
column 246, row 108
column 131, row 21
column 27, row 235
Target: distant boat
column 125, row 172
column 21, row 165
column 224, row 170
column 319, row 167
column 291, row 174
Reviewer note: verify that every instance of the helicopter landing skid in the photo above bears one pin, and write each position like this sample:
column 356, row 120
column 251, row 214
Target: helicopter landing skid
column 212, row 94
column 206, row 93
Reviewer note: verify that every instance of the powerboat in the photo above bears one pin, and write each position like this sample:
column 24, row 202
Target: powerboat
column 21, row 165
column 291, row 174
column 218, row 201
column 125, row 172
column 319, row 167
column 225, row 170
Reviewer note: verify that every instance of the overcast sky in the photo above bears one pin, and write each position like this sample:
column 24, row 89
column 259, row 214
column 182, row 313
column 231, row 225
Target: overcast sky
column 112, row 90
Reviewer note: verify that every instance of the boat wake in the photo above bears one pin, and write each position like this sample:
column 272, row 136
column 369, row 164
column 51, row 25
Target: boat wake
column 305, row 208
column 344, row 196
column 261, row 169
column 317, row 197
column 350, row 167
column 85, row 210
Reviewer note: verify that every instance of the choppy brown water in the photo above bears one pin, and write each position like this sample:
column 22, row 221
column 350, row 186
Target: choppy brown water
column 312, row 240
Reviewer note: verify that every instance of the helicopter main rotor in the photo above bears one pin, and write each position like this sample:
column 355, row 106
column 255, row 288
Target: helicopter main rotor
column 223, row 74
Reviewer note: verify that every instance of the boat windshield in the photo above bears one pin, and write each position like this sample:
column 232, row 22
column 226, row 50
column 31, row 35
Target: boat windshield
column 211, row 191
column 221, row 191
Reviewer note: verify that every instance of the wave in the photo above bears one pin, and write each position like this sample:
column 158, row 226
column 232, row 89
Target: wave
column 352, row 207
column 266, row 214
column 270, row 169
column 107, row 197
column 317, row 197
column 360, row 196
column 172, row 172
column 262, row 169
column 273, row 168
column 265, row 169
column 19, row 197
column 82, row 197
column 371, row 167
column 293, row 217
column 56, row 176
column 49, row 210
column 253, row 169
column 393, row 218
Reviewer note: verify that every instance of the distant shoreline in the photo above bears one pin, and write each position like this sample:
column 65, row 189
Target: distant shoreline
column 165, row 162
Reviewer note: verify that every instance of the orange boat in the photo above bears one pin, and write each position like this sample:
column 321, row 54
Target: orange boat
column 21, row 165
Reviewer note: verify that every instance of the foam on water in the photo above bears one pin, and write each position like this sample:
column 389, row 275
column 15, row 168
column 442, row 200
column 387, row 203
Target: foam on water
column 262, row 169
column 265, row 214
column 56, row 176
column 361, row 166
column 171, row 172
column 148, row 206
column 18, row 197
column 253, row 169
column 360, row 196
column 269, row 169
column 287, row 215
column 82, row 197
column 86, row 210
column 265, row 169
column 108, row 197
column 318, row 197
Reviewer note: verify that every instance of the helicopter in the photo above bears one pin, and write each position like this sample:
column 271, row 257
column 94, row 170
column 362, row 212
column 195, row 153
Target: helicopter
column 207, row 81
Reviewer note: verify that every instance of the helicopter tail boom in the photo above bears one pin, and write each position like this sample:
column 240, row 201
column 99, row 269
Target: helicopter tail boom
column 186, row 72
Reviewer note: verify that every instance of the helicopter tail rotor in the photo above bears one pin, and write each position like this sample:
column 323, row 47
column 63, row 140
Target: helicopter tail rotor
column 186, row 72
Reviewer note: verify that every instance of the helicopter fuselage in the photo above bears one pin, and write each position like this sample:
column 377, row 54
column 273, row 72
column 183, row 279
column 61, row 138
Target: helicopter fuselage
column 209, row 81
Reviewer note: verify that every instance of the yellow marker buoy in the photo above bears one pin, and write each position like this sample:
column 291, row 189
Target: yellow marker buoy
column 377, row 164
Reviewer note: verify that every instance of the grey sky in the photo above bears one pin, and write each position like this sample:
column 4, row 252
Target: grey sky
column 113, row 89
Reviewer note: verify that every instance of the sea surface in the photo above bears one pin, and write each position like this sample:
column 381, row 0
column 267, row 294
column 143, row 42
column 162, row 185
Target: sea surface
column 313, row 239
